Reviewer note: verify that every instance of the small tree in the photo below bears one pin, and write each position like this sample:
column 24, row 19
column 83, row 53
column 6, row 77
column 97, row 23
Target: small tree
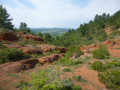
column 47, row 37
column 5, row 21
column 23, row 27
column 40, row 34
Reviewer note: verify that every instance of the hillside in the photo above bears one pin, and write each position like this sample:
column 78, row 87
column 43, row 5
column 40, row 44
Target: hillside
column 93, row 32
column 88, row 60
column 24, row 54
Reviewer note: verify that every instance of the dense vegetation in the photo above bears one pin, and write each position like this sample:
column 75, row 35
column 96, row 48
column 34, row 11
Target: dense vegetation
column 109, row 73
column 91, row 32
column 98, row 66
column 10, row 54
column 49, row 79
column 101, row 53
column 72, row 51
column 111, row 78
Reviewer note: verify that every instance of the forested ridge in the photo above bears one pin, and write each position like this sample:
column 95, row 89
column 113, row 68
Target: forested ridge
column 92, row 32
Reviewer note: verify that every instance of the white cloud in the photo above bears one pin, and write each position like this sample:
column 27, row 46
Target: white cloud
column 60, row 13
column 18, row 3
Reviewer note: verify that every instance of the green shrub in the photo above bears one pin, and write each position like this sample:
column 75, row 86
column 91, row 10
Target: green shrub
column 99, row 66
column 87, row 57
column 13, row 75
column 111, row 78
column 112, row 64
column 114, row 33
column 101, row 52
column 113, row 42
column 73, row 51
column 49, row 79
column 66, row 70
column 10, row 54
column 67, row 62
column 53, row 52
column 36, row 55
column 25, row 42
column 2, row 46
column 26, row 56
column 77, row 88
column 22, row 85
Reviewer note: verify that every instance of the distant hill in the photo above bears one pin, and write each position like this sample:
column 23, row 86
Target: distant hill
column 51, row 31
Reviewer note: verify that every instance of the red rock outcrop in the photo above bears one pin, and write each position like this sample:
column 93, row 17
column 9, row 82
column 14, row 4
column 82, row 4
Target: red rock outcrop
column 42, row 48
column 15, row 67
column 49, row 59
column 29, row 36
column 31, row 50
column 7, row 36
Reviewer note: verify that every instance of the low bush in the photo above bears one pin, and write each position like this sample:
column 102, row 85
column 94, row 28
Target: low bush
column 114, row 33
column 77, row 88
column 53, row 52
column 66, row 70
column 49, row 79
column 67, row 62
column 113, row 42
column 112, row 64
column 2, row 46
column 22, row 85
column 111, row 78
column 25, row 42
column 99, row 66
column 73, row 51
column 36, row 55
column 100, row 53
column 10, row 54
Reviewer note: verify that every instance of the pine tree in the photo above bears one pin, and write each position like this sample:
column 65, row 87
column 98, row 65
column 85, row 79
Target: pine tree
column 47, row 37
column 5, row 21
column 23, row 27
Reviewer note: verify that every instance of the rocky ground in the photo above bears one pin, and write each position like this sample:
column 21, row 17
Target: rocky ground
column 12, row 73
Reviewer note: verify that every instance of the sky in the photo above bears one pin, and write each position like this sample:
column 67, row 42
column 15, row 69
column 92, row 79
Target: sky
column 57, row 13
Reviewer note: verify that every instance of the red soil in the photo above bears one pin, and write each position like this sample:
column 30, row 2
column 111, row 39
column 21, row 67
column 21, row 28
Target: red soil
column 91, row 83
column 113, row 47
column 29, row 36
